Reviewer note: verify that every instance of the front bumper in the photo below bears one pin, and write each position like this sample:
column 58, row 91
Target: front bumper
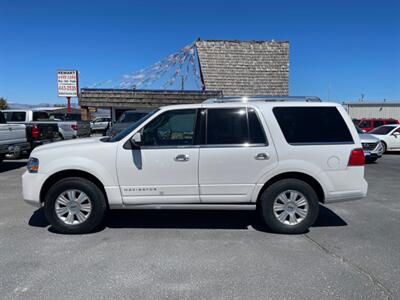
column 14, row 148
column 376, row 152
column 31, row 187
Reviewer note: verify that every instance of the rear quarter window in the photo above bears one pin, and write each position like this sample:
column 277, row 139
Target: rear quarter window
column 312, row 125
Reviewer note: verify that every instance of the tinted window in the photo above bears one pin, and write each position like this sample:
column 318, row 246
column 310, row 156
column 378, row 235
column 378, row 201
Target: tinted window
column 305, row 125
column 383, row 130
column 172, row 128
column 2, row 119
column 40, row 116
column 17, row 116
column 378, row 123
column 256, row 131
column 227, row 126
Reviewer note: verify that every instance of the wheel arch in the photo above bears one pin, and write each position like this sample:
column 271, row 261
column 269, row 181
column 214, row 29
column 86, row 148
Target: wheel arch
column 314, row 183
column 70, row 173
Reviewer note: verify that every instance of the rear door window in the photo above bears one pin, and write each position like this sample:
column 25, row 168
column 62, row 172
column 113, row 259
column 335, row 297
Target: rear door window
column 378, row 123
column 234, row 126
column 312, row 125
column 2, row 119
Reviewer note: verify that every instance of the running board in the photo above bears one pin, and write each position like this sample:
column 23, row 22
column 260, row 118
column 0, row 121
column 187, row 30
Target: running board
column 191, row 206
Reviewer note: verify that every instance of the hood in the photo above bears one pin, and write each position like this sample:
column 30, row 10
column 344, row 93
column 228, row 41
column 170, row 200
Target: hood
column 68, row 144
column 368, row 138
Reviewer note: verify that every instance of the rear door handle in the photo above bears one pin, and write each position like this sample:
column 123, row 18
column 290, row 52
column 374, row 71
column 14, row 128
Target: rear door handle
column 181, row 157
column 262, row 156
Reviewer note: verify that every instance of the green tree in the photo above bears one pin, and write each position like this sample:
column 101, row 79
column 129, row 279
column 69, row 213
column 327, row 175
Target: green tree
column 3, row 103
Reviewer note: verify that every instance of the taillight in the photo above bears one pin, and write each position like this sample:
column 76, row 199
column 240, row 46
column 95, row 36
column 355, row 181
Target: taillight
column 357, row 158
column 35, row 132
column 74, row 127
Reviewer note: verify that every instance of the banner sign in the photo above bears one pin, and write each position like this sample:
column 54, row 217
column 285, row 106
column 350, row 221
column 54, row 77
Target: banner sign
column 67, row 83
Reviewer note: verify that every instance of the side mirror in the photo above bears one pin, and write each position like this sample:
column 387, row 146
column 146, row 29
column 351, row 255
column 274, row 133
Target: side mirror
column 136, row 140
column 396, row 134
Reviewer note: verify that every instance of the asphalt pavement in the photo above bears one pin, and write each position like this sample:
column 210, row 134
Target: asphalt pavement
column 352, row 252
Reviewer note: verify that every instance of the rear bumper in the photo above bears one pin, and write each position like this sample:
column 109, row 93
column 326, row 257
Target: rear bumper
column 349, row 195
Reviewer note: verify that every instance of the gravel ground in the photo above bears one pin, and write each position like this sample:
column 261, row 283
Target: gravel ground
column 352, row 252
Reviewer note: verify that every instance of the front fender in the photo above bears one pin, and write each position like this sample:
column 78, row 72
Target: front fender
column 105, row 173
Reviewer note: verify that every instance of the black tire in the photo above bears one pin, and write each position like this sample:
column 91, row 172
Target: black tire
column 384, row 146
column 370, row 160
column 95, row 195
column 267, row 200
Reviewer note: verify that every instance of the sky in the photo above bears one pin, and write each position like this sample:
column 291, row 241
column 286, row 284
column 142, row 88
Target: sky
column 338, row 49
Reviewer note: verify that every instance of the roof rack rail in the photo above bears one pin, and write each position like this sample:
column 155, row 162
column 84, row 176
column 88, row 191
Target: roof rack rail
column 263, row 98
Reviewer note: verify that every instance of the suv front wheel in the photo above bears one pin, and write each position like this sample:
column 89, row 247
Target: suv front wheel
column 74, row 205
column 289, row 206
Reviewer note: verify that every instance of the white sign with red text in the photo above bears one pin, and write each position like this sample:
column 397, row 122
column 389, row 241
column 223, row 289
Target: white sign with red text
column 67, row 83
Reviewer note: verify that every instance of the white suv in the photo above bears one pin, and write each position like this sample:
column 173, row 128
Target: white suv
column 282, row 158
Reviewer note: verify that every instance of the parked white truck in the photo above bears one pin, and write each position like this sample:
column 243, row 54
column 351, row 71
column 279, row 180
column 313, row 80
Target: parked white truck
column 12, row 138
column 67, row 129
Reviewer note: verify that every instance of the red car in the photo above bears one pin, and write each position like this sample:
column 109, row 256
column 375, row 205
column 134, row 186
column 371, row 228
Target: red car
column 367, row 124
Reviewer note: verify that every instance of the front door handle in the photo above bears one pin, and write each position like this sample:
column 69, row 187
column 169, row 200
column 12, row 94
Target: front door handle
column 262, row 156
column 181, row 157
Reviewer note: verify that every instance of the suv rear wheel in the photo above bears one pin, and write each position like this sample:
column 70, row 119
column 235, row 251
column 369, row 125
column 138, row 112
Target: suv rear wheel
column 74, row 205
column 289, row 206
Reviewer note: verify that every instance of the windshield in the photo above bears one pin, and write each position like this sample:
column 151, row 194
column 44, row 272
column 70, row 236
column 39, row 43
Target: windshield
column 359, row 130
column 132, row 127
column 383, row 130
column 364, row 124
column 131, row 116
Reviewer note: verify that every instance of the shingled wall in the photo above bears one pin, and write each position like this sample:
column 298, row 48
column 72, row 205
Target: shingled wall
column 245, row 68
column 120, row 98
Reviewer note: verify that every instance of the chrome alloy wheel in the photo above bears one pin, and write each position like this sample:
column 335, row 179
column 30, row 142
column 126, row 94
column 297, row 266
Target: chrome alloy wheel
column 73, row 207
column 290, row 207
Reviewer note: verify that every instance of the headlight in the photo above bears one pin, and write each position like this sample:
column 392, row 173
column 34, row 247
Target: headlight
column 33, row 165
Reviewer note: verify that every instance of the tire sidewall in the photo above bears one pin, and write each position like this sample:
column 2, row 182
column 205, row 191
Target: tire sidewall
column 267, row 201
column 91, row 190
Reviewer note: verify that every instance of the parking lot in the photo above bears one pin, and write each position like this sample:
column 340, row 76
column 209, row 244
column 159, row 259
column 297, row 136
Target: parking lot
column 352, row 252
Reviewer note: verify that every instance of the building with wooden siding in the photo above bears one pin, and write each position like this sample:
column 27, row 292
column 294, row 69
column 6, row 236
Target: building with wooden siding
column 227, row 68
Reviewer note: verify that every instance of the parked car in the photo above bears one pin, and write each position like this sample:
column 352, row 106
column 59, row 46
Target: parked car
column 368, row 124
column 100, row 124
column 125, row 120
column 371, row 145
column 13, row 138
column 221, row 154
column 389, row 135
column 39, row 130
column 71, row 126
